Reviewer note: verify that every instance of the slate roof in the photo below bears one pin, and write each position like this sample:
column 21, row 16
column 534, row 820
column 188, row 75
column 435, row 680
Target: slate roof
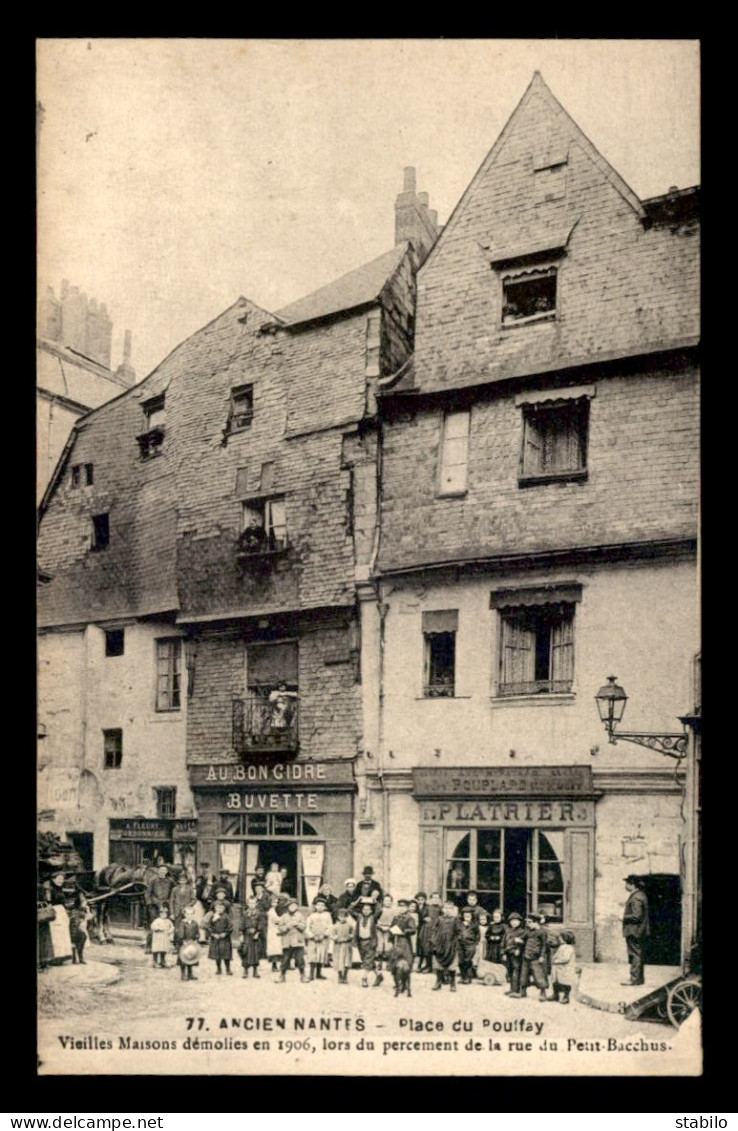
column 356, row 288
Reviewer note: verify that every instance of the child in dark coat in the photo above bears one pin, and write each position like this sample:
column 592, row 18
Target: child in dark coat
column 446, row 946
column 534, row 957
column 468, row 939
column 366, row 939
column 253, row 931
column 495, row 936
column 512, row 950
column 187, row 935
column 219, row 925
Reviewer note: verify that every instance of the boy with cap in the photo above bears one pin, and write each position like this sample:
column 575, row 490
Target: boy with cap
column 318, row 931
column 187, row 935
column 366, row 939
column 534, row 957
column 512, row 950
column 219, row 926
column 292, row 929
column 225, row 886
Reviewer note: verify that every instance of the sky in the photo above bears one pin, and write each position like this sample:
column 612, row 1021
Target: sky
column 175, row 175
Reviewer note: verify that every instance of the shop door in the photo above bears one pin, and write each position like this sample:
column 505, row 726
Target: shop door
column 283, row 852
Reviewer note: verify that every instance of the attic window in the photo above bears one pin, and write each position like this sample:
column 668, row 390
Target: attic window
column 151, row 441
column 82, row 475
column 530, row 297
column 241, row 411
column 100, row 532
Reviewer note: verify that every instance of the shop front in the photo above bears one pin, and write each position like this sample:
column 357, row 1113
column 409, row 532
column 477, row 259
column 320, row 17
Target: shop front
column 524, row 839
column 298, row 815
column 141, row 841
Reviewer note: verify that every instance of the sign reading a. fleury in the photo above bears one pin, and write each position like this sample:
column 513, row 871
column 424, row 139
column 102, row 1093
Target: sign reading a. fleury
column 318, row 775
column 499, row 781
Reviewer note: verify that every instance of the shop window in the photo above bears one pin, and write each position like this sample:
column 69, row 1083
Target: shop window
column 114, row 642
column 515, row 869
column 263, row 527
column 241, row 409
column 555, row 441
column 166, row 802
column 112, row 749
column 100, row 539
column 536, row 649
column 82, row 474
column 168, row 674
column 151, row 440
column 265, row 825
column 439, row 641
column 454, row 456
column 529, row 297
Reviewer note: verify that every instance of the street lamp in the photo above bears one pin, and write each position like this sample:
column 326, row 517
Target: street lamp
column 611, row 700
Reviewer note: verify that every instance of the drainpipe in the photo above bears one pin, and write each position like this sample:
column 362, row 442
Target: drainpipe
column 383, row 609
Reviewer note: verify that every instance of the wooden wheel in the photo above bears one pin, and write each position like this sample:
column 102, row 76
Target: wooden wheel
column 683, row 998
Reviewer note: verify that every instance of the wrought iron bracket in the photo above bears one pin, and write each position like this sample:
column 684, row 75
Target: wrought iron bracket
column 672, row 745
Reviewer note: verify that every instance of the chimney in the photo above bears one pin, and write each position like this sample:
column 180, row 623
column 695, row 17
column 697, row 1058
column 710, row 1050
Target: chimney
column 414, row 221
column 125, row 371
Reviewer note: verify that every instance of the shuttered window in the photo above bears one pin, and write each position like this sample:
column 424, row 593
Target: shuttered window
column 536, row 649
column 555, row 439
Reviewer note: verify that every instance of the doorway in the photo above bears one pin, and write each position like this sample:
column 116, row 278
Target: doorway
column 663, row 945
column 266, row 852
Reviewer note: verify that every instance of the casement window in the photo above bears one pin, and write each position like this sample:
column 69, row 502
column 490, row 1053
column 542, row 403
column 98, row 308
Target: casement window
column 166, row 802
column 439, row 646
column 263, row 526
column 536, row 640
column 555, row 434
column 112, row 749
column 241, row 409
column 168, row 674
column 100, row 536
column 513, row 869
column 529, row 296
column 150, row 442
column 82, row 475
column 454, row 453
column 114, row 641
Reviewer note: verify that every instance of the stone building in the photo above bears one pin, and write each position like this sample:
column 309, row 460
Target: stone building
column 73, row 371
column 200, row 676
column 538, row 516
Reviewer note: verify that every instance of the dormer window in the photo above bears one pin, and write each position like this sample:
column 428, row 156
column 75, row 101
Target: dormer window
column 151, row 441
column 241, row 411
column 263, row 526
column 529, row 297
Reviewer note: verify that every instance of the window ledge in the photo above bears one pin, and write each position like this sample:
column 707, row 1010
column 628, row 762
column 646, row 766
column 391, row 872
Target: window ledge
column 547, row 316
column 452, row 494
column 554, row 477
column 542, row 699
column 437, row 698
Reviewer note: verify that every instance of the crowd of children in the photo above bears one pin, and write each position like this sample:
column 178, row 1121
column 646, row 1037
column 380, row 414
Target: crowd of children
column 364, row 924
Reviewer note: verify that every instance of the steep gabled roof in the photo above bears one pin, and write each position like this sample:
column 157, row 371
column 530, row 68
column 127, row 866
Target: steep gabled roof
column 538, row 86
column 356, row 288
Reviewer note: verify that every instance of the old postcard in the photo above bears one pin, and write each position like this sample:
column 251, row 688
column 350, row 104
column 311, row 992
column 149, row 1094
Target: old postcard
column 369, row 701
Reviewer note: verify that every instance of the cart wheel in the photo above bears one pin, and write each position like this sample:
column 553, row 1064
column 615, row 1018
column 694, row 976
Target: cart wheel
column 682, row 999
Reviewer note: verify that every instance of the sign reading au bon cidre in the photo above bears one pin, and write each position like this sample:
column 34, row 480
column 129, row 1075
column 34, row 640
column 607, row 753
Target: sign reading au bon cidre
column 316, row 775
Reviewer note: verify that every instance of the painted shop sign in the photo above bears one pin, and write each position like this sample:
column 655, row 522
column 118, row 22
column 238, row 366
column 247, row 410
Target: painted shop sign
column 478, row 781
column 510, row 814
column 321, row 774
column 281, row 802
column 184, row 828
column 139, row 830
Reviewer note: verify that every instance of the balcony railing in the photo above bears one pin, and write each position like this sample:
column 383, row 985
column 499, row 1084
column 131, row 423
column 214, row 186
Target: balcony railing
column 536, row 687
column 266, row 720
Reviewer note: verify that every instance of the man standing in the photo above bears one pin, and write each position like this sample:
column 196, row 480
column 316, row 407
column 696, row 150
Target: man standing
column 635, row 928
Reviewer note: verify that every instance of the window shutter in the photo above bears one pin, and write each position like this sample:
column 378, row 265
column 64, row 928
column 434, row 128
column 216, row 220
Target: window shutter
column 517, row 659
column 454, row 452
column 533, row 451
column 562, row 650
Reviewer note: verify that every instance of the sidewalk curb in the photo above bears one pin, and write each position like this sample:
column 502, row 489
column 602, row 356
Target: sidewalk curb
column 597, row 1003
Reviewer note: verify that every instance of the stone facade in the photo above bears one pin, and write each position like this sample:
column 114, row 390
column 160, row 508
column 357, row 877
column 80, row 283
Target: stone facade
column 556, row 313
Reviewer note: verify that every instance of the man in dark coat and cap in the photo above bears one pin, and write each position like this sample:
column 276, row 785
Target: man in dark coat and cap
column 635, row 928
column 369, row 886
